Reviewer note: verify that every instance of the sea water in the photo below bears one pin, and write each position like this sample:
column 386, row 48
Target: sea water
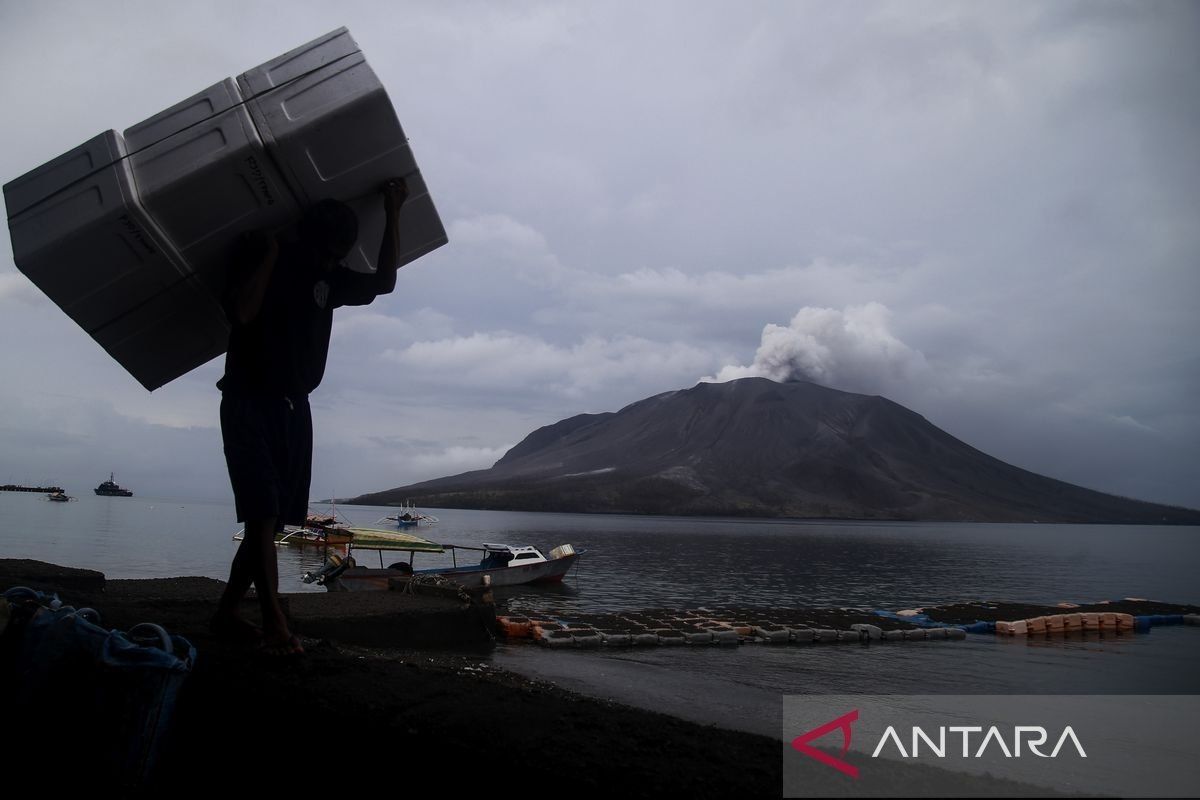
column 635, row 562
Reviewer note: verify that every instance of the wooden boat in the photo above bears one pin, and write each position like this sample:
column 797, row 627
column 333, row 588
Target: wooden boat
column 408, row 517
column 317, row 531
column 501, row 564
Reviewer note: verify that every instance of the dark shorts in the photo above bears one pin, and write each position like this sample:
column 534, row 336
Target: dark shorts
column 268, row 448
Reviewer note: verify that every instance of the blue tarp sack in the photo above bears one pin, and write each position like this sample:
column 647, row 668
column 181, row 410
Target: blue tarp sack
column 108, row 693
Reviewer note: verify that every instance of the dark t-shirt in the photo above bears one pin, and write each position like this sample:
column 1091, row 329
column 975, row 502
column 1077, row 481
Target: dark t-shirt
column 283, row 349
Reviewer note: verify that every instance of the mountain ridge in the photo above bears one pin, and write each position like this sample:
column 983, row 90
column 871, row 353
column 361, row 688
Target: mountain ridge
column 754, row 447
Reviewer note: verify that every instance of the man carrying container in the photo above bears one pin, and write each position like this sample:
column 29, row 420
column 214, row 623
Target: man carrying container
column 280, row 304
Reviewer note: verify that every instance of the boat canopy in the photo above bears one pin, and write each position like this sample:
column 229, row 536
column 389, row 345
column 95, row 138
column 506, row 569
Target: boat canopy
column 375, row 539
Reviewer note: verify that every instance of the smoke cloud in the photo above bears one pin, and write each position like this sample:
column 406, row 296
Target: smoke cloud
column 853, row 350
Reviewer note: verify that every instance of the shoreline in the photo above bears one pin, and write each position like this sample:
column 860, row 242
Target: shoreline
column 436, row 710
column 351, row 715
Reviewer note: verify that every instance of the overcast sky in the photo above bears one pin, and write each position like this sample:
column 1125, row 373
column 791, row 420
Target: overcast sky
column 989, row 213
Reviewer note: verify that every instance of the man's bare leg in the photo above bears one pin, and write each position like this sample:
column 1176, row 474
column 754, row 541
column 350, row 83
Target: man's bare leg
column 255, row 562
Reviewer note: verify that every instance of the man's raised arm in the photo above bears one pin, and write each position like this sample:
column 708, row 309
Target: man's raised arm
column 395, row 192
column 253, row 265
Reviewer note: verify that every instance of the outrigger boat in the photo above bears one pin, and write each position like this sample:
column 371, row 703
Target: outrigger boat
column 408, row 517
column 318, row 530
column 501, row 565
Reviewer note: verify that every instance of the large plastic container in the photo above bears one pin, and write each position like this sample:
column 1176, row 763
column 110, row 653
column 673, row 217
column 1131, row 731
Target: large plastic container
column 204, row 176
column 90, row 245
column 327, row 121
column 87, row 242
column 181, row 328
column 57, row 174
column 130, row 235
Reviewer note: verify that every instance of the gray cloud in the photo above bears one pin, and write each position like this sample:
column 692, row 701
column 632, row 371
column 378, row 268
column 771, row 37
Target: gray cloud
column 633, row 192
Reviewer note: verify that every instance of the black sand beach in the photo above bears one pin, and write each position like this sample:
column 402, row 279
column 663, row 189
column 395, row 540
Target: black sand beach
column 353, row 717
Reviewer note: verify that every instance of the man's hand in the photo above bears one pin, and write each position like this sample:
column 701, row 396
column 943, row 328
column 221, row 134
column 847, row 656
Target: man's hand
column 395, row 192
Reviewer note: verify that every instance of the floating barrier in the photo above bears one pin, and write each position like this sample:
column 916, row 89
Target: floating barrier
column 736, row 626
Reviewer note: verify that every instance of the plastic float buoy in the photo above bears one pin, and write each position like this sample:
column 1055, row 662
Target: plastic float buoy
column 725, row 635
column 585, row 637
column 515, row 627
column 774, row 634
column 616, row 638
column 669, row 637
column 868, row 631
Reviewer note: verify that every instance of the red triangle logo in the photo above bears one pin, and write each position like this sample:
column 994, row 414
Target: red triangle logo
column 843, row 722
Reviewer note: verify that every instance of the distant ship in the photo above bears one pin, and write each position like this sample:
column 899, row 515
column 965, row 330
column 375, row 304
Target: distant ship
column 110, row 489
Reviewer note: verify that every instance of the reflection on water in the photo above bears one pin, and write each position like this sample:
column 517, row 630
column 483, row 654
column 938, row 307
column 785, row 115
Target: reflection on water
column 641, row 562
column 646, row 562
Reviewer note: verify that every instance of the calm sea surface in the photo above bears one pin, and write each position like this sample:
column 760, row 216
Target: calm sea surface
column 650, row 562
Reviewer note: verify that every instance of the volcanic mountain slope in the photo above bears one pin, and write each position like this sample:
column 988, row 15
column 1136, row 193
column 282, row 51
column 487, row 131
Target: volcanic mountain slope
column 760, row 448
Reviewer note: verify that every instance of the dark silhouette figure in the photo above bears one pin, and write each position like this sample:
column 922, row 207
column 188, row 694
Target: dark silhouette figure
column 280, row 304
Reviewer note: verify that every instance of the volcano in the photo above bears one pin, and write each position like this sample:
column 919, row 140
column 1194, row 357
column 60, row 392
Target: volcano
column 755, row 447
